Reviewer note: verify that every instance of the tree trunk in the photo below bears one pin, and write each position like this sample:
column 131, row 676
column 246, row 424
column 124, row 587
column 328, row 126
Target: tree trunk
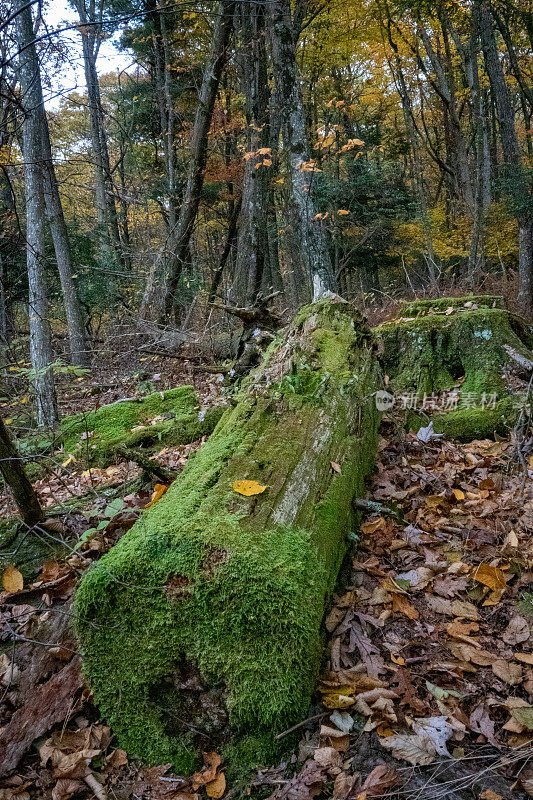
column 160, row 298
column 14, row 475
column 313, row 252
column 252, row 258
column 226, row 592
column 41, row 353
column 514, row 173
column 79, row 353
column 31, row 86
column 91, row 36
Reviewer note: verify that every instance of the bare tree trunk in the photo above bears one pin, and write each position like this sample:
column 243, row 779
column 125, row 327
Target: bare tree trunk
column 513, row 170
column 313, row 253
column 159, row 298
column 54, row 211
column 14, row 475
column 91, row 36
column 40, row 334
column 252, row 259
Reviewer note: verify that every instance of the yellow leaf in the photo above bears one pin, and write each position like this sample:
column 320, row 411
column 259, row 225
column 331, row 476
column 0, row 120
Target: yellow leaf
column 157, row 494
column 342, row 212
column 397, row 660
column 492, row 577
column 217, row 787
column 248, row 488
column 12, row 580
column 459, row 495
column 8, row 421
column 68, row 461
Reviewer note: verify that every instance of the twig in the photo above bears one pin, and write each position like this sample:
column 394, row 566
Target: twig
column 301, row 724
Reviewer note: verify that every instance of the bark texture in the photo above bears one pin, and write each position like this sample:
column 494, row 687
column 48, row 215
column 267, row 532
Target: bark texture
column 204, row 620
column 13, row 472
column 312, row 252
column 40, row 334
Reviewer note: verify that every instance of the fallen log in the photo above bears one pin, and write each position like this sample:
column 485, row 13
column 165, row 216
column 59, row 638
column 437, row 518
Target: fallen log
column 201, row 628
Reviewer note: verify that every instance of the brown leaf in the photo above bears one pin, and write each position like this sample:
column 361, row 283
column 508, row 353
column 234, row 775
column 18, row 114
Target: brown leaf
column 402, row 605
column 380, row 780
column 65, row 788
column 216, row 787
column 208, row 773
column 507, row 671
column 517, row 631
column 343, row 785
column 49, row 704
column 488, row 794
column 480, row 722
column 12, row 580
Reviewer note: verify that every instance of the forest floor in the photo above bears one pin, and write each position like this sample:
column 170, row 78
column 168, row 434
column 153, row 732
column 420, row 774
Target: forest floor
column 427, row 684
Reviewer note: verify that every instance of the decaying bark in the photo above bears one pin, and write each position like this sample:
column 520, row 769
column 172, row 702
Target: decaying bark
column 14, row 475
column 470, row 349
column 202, row 625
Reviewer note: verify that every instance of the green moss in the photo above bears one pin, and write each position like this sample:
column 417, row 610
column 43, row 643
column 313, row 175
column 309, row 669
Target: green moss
column 417, row 308
column 232, row 589
column 433, row 352
column 26, row 551
column 467, row 424
column 162, row 418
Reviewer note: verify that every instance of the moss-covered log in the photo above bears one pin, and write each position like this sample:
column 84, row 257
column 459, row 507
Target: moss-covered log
column 98, row 437
column 471, row 343
column 202, row 625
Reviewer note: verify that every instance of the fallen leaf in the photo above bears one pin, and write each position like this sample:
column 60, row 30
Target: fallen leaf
column 216, row 787
column 380, row 780
column 488, row 794
column 12, row 580
column 458, row 494
column 507, row 671
column 525, row 658
column 517, row 631
column 422, row 747
column 248, row 488
column 159, row 490
column 524, row 716
column 343, row 786
column 402, row 605
column 493, row 578
column 336, row 467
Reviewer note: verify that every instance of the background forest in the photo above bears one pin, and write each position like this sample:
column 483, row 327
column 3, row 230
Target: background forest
column 379, row 148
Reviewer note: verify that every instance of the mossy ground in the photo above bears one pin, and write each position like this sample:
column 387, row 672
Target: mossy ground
column 161, row 418
column 26, row 550
column 467, row 424
column 226, row 592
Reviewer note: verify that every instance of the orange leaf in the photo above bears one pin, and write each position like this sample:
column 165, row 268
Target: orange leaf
column 157, row 494
column 401, row 604
column 248, row 488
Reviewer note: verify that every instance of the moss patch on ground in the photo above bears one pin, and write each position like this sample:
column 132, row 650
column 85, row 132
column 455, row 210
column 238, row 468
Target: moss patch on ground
column 205, row 619
column 26, row 550
column 153, row 421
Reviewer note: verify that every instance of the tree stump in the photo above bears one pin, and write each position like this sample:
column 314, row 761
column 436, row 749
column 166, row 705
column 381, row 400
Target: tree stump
column 201, row 628
column 471, row 343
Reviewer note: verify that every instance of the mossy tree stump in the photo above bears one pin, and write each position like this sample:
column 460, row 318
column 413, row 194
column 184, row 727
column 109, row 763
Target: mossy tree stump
column 202, row 626
column 473, row 343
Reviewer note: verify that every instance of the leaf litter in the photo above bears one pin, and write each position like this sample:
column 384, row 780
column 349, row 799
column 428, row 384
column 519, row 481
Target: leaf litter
column 430, row 657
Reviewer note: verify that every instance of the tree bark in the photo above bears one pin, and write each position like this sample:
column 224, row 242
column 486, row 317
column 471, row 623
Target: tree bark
column 41, row 353
column 14, row 475
column 313, row 252
column 163, row 280
column 227, row 592
column 91, row 36
column 514, row 173
column 79, row 352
